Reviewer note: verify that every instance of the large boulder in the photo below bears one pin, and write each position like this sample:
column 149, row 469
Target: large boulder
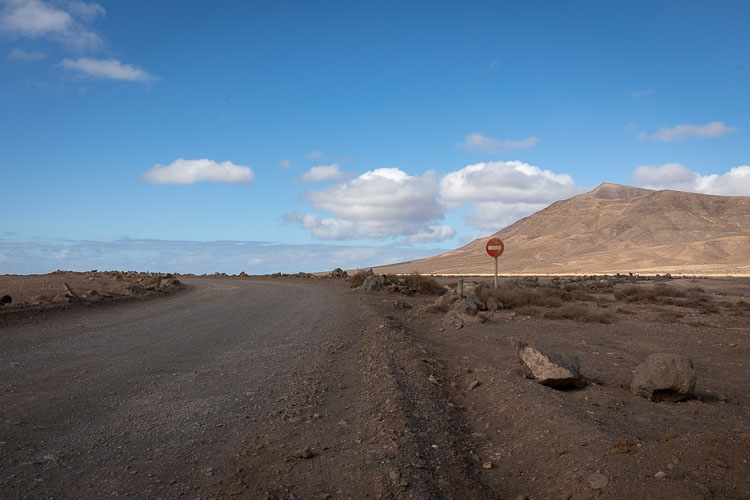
column 371, row 283
column 548, row 368
column 464, row 307
column 475, row 300
column 447, row 299
column 664, row 377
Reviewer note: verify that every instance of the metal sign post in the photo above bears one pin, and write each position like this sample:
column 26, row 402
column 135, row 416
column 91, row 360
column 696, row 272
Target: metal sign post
column 495, row 248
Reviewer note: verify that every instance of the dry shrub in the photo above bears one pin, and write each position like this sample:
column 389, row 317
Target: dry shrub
column 425, row 285
column 671, row 316
column 435, row 308
column 742, row 305
column 667, row 295
column 358, row 278
column 580, row 314
column 527, row 311
column 623, row 310
column 513, row 298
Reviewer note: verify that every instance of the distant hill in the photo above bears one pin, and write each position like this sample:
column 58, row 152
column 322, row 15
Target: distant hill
column 611, row 229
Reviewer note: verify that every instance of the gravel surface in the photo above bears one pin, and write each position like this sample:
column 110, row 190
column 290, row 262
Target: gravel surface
column 304, row 388
column 153, row 398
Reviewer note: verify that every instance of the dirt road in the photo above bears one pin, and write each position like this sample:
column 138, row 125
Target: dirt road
column 157, row 398
column 306, row 388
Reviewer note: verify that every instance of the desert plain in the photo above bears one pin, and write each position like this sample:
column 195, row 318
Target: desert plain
column 367, row 386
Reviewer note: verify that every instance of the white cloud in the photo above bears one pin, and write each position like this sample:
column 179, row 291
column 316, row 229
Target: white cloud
column 680, row 132
column 3, row 258
column 432, row 233
column 502, row 192
column 191, row 171
column 314, row 155
column 381, row 203
column 493, row 65
column 478, row 142
column 64, row 22
column 641, row 93
column 323, row 173
column 23, row 55
column 675, row 176
column 106, row 68
column 285, row 163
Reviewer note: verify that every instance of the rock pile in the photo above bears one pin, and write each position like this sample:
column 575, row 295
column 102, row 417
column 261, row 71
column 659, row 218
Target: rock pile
column 338, row 274
column 383, row 282
column 300, row 275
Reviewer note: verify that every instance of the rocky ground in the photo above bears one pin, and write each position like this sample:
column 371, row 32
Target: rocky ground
column 21, row 295
column 522, row 439
column 426, row 397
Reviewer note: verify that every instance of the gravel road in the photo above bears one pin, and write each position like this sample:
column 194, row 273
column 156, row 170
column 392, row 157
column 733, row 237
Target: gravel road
column 152, row 398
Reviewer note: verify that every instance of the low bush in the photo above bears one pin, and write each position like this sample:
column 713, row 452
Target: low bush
column 513, row 298
column 425, row 285
column 580, row 314
column 358, row 278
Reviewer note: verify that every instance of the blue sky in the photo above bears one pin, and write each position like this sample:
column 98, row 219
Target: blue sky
column 402, row 128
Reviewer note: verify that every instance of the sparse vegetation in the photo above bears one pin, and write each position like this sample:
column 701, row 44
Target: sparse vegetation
column 581, row 314
column 670, row 316
column 666, row 295
column 358, row 278
column 514, row 298
column 426, row 285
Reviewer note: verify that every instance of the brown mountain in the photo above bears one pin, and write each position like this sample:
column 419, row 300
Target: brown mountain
column 612, row 229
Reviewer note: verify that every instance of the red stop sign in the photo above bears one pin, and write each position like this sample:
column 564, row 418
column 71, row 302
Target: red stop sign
column 495, row 247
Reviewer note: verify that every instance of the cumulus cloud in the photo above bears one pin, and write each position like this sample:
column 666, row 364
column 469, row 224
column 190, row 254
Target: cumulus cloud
column 381, row 203
column 23, row 55
column 478, row 142
column 63, row 22
column 191, row 171
column 735, row 182
column 324, row 173
column 502, row 192
column 111, row 69
column 432, row 233
column 285, row 163
column 314, row 155
column 680, row 132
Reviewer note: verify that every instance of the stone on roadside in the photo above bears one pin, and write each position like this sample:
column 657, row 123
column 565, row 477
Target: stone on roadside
column 550, row 369
column 135, row 289
column 475, row 300
column 465, row 306
column 664, row 377
column 371, row 283
column 60, row 299
column 447, row 299
column 493, row 304
column 597, row 481
column 304, row 453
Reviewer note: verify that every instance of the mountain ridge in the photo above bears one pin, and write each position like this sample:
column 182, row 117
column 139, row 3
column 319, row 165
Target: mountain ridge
column 614, row 228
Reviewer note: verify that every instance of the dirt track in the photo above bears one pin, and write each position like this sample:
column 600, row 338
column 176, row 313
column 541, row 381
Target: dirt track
column 307, row 389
